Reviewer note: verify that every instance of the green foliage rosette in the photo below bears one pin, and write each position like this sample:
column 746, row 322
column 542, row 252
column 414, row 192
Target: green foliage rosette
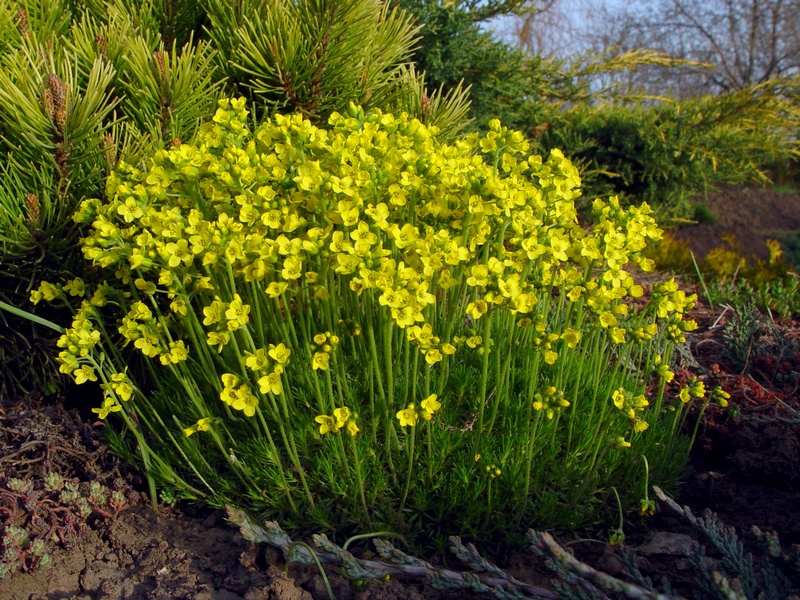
column 360, row 325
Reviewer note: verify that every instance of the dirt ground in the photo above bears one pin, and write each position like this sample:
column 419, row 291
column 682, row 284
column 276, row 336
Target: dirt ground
column 745, row 466
column 751, row 215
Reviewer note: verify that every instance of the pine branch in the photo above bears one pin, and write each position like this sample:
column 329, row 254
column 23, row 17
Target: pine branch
column 547, row 546
column 394, row 562
column 169, row 92
column 724, row 539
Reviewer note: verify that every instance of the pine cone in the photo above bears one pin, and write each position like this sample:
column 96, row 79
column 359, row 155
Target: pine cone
column 102, row 49
column 160, row 62
column 60, row 120
column 22, row 23
column 47, row 104
column 59, row 90
column 32, row 203
column 110, row 149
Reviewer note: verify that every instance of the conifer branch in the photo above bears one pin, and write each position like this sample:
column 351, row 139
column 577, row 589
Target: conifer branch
column 489, row 579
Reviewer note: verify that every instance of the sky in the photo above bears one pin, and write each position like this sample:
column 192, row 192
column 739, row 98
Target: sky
column 567, row 24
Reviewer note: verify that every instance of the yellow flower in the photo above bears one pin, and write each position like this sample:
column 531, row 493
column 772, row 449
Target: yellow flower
column 178, row 252
column 429, row 406
column 109, row 406
column 352, row 428
column 477, row 309
column 271, row 384
column 405, row 236
column 256, row 361
column 646, row 508
column 245, row 401
column 448, row 349
column 276, row 288
column 279, row 353
column 201, row 425
column 178, row 306
column 76, row 287
column 326, row 424
column 122, row 386
column 474, row 341
column 479, row 276
column 320, row 361
column 46, row 291
column 622, row 443
column 341, row 415
column 84, row 374
column 177, row 353
column 721, row 396
column 292, row 267
column 213, row 312
column 607, row 319
column 628, row 404
column 217, row 338
column 433, row 356
column 775, row 251
column 407, row 416
column 665, row 373
column 571, row 336
column 237, row 313
column 549, row 401
column 697, row 389
column 229, row 380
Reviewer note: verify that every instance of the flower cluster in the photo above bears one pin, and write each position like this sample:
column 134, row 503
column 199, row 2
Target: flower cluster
column 323, row 345
column 670, row 303
column 630, row 405
column 238, row 395
column 549, row 401
column 430, row 345
column 342, row 417
column 410, row 414
column 720, row 396
column 355, row 187
column 259, row 361
column 695, row 389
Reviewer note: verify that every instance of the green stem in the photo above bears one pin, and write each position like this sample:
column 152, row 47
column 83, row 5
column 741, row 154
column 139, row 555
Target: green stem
column 291, row 448
column 274, row 449
column 413, row 435
column 360, row 478
column 486, row 334
column 31, row 317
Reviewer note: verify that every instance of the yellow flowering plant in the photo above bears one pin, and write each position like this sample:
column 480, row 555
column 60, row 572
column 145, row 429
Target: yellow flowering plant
column 306, row 302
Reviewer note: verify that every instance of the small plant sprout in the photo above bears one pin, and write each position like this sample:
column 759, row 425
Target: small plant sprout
column 618, row 535
column 647, row 507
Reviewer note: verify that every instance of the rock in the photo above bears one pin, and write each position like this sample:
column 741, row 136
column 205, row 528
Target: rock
column 664, row 542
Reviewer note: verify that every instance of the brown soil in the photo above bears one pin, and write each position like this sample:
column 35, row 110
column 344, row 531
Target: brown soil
column 752, row 216
column 745, row 466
